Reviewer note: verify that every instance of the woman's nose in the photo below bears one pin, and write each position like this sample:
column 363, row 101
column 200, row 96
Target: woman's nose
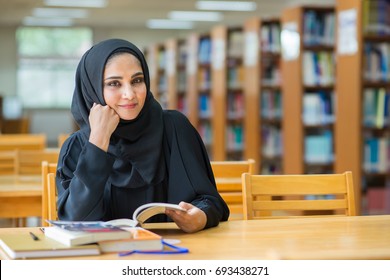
column 128, row 92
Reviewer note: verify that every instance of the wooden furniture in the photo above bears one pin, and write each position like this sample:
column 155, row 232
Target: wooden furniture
column 1, row 114
column 362, row 129
column 192, row 79
column 8, row 162
column 227, row 93
column 16, row 126
column 20, row 196
column 175, row 51
column 199, row 98
column 30, row 162
column 332, row 238
column 52, row 197
column 47, row 168
column 61, row 139
column 151, row 56
column 23, row 164
column 308, row 84
column 262, row 90
column 228, row 178
column 10, row 142
column 281, row 196
column 156, row 57
column 227, row 175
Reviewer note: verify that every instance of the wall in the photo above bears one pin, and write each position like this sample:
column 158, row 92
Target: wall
column 51, row 122
column 7, row 61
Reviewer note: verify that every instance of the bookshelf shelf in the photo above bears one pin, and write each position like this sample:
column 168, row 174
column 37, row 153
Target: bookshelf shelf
column 364, row 97
column 308, row 89
column 198, row 70
column 175, row 72
column 227, row 93
column 263, row 94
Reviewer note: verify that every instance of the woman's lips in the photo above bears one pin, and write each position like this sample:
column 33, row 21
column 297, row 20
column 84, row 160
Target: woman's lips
column 128, row 106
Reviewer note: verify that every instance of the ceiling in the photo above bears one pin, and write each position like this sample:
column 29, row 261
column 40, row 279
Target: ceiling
column 133, row 14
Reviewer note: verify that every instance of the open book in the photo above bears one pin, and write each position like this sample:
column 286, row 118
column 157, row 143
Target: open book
column 144, row 212
column 73, row 233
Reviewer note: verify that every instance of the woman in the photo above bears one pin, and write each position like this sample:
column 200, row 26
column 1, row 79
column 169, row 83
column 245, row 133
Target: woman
column 128, row 150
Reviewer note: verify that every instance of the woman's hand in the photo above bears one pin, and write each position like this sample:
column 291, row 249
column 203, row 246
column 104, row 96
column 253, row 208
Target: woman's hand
column 192, row 220
column 103, row 121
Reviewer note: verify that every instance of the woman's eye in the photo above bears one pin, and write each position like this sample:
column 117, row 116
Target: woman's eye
column 113, row 84
column 137, row 81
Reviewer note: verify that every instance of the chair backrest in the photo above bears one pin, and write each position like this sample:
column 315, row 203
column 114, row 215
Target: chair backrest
column 10, row 142
column 61, row 139
column 281, row 196
column 47, row 168
column 52, row 197
column 8, row 162
column 16, row 126
column 30, row 161
column 228, row 179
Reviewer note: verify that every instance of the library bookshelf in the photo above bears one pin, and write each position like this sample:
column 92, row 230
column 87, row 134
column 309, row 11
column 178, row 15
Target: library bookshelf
column 150, row 53
column 161, row 79
column 227, row 93
column 262, row 90
column 307, row 42
column 363, row 128
column 199, row 98
column 176, row 52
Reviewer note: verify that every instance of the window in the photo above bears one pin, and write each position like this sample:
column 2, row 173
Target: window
column 48, row 59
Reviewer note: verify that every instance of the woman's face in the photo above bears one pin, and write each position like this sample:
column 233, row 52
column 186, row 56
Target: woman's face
column 124, row 88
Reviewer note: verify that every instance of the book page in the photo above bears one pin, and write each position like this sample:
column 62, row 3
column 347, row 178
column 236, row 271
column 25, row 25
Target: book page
column 122, row 223
column 142, row 213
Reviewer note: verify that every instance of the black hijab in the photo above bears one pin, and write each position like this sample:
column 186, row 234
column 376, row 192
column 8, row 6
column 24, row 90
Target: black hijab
column 139, row 140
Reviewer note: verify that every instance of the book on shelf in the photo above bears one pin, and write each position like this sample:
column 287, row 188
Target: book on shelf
column 23, row 246
column 83, row 232
column 141, row 240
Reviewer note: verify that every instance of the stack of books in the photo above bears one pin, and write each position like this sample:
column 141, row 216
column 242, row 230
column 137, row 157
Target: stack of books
column 78, row 239
column 81, row 238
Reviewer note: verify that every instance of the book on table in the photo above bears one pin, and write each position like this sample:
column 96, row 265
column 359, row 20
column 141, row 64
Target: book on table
column 141, row 240
column 122, row 232
column 23, row 246
column 73, row 233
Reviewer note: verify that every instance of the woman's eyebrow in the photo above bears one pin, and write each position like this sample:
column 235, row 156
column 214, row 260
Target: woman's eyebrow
column 119, row 77
column 113, row 77
column 137, row 74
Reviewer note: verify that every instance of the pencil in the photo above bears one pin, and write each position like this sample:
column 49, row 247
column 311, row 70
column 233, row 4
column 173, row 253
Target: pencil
column 33, row 236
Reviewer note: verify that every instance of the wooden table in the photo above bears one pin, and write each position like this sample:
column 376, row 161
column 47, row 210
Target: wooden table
column 360, row 237
column 20, row 196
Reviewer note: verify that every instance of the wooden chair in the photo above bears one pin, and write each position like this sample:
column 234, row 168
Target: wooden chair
column 61, row 139
column 10, row 142
column 30, row 162
column 16, row 126
column 228, row 178
column 52, row 197
column 47, row 168
column 8, row 162
column 281, row 196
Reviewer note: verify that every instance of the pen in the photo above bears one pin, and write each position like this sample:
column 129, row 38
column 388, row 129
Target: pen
column 34, row 236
